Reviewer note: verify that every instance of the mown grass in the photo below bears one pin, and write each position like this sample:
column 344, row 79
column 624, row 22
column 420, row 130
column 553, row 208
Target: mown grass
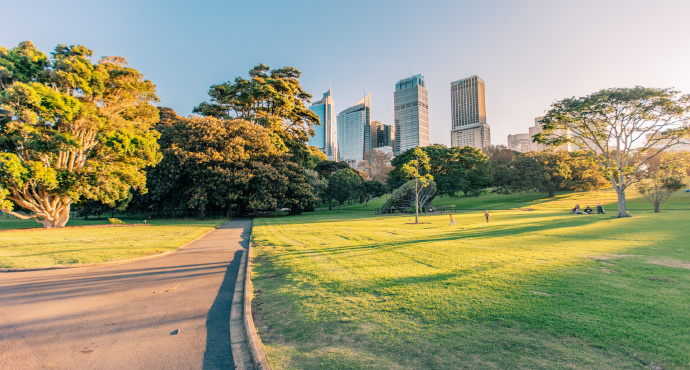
column 535, row 287
column 31, row 248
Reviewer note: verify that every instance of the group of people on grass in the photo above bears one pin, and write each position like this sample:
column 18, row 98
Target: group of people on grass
column 587, row 210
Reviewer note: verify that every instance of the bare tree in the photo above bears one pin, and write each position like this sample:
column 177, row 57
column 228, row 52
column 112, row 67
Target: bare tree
column 376, row 165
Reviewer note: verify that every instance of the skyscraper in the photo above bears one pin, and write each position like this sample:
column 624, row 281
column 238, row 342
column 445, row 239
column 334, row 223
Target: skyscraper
column 411, row 114
column 326, row 135
column 468, row 114
column 354, row 131
column 385, row 135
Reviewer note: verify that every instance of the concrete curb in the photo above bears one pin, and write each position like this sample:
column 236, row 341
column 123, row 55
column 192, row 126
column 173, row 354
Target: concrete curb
column 109, row 262
column 241, row 355
column 257, row 351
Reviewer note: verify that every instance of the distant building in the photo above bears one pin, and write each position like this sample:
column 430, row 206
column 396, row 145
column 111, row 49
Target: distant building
column 411, row 101
column 519, row 142
column 537, row 128
column 326, row 135
column 354, row 131
column 468, row 114
column 385, row 136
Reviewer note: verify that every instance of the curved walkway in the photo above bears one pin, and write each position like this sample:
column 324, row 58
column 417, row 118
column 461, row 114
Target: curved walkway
column 167, row 312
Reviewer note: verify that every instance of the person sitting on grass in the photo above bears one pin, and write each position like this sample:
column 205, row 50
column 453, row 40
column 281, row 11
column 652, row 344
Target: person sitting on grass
column 600, row 209
column 589, row 211
column 576, row 210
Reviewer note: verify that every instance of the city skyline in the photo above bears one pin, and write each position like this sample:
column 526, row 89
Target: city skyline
column 531, row 53
column 411, row 119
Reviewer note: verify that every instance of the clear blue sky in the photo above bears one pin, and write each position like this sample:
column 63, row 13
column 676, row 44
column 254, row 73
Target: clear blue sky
column 529, row 53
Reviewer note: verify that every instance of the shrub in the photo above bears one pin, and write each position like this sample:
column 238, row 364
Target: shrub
column 115, row 221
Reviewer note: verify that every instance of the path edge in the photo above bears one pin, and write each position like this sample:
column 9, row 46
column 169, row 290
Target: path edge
column 255, row 347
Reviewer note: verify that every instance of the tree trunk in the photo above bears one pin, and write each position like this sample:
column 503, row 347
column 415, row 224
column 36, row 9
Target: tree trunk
column 340, row 204
column 552, row 193
column 416, row 204
column 330, row 204
column 656, row 206
column 622, row 207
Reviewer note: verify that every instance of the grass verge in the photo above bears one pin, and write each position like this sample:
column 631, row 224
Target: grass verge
column 32, row 248
column 536, row 287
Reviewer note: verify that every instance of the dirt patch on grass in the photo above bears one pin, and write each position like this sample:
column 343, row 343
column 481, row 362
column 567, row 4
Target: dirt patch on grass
column 671, row 263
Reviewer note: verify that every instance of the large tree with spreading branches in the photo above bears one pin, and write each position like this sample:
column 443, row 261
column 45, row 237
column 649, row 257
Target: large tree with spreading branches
column 79, row 131
column 618, row 127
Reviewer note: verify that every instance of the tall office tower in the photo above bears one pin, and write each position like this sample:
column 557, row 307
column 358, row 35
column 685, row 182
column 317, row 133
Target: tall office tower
column 354, row 131
column 326, row 135
column 468, row 114
column 374, row 134
column 411, row 114
column 385, row 136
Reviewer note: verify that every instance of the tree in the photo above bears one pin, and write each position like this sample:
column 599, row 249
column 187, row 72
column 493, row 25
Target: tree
column 548, row 172
column 373, row 188
column 218, row 164
column 663, row 176
column 345, row 184
column 418, row 170
column 326, row 169
column 272, row 98
column 617, row 127
column 80, row 131
column 406, row 196
column 454, row 169
column 376, row 165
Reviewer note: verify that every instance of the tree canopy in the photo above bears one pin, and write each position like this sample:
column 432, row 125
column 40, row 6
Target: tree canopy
column 272, row 98
column 617, row 127
column 211, row 163
column 80, row 130
column 454, row 169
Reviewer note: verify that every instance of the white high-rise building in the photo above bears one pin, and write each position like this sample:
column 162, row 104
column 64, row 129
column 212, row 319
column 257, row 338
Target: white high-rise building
column 326, row 135
column 354, row 131
column 411, row 114
column 519, row 142
column 537, row 147
column 468, row 113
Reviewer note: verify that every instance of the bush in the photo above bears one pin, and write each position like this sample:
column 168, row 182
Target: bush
column 116, row 221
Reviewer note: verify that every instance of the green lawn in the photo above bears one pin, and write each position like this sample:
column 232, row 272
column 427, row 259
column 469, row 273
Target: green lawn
column 534, row 288
column 29, row 248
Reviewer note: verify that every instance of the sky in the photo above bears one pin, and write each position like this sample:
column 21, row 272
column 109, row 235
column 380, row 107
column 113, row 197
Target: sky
column 530, row 53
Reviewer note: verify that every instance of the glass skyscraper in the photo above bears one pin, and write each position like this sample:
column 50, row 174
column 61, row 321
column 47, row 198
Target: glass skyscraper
column 354, row 131
column 326, row 135
column 411, row 114
column 468, row 114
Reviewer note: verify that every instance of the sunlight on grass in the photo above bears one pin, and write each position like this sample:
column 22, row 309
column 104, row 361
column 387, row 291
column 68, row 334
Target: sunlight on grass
column 57, row 247
column 535, row 288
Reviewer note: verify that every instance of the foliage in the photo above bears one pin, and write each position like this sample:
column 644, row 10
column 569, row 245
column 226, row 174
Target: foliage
column 418, row 169
column 80, row 131
column 404, row 197
column 326, row 169
column 376, row 165
column 617, row 127
column 344, row 185
column 454, row 169
column 373, row 188
column 211, row 163
column 548, row 172
column 666, row 173
column 271, row 98
column 318, row 184
column 115, row 221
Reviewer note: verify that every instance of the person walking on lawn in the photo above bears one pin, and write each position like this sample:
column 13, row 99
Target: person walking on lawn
column 486, row 215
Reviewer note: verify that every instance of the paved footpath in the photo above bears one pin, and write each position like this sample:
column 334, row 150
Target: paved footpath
column 166, row 312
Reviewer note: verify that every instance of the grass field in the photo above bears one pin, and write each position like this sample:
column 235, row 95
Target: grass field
column 534, row 288
column 37, row 247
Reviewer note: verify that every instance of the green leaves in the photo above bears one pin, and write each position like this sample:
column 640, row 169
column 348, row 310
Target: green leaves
column 81, row 130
